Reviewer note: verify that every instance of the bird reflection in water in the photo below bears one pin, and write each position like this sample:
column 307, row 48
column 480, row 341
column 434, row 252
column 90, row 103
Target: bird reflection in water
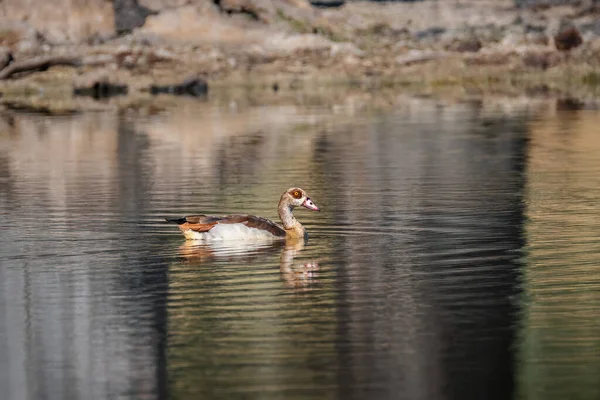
column 298, row 275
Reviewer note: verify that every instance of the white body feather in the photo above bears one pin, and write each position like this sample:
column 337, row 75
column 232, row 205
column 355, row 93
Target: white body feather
column 230, row 232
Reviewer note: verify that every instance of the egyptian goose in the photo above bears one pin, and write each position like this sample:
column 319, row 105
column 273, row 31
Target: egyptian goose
column 239, row 227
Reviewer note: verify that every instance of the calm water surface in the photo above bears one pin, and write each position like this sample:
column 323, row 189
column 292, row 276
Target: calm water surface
column 456, row 256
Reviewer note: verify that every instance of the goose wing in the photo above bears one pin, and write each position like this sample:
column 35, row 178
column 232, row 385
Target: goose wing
column 204, row 223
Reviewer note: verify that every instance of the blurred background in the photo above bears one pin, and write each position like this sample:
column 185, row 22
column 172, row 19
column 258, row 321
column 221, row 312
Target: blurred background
column 452, row 147
column 141, row 46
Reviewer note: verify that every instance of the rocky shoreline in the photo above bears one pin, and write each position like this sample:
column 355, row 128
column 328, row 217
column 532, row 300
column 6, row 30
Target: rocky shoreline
column 480, row 46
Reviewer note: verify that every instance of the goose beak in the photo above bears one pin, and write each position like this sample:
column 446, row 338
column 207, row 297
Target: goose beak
column 308, row 203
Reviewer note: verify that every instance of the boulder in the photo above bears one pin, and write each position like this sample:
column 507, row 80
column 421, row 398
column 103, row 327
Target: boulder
column 298, row 13
column 19, row 36
column 541, row 59
column 60, row 21
column 419, row 56
column 466, row 45
column 282, row 45
column 5, row 57
column 567, row 39
column 201, row 23
column 129, row 14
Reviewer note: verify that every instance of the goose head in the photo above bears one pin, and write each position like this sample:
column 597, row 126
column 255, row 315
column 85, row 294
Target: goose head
column 296, row 197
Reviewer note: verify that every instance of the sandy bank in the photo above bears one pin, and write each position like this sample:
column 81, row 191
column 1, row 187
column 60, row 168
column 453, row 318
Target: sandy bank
column 425, row 47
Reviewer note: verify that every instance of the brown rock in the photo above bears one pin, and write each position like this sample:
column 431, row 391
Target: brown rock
column 129, row 15
column 248, row 7
column 541, row 60
column 18, row 36
column 196, row 24
column 496, row 58
column 38, row 64
column 5, row 57
column 468, row 45
column 568, row 39
column 537, row 38
column 419, row 56
column 60, row 21
column 297, row 12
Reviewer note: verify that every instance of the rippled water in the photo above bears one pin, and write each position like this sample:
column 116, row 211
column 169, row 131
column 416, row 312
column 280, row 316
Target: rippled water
column 456, row 255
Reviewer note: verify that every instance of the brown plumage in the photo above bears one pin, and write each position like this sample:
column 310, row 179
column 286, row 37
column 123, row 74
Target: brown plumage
column 204, row 223
column 208, row 227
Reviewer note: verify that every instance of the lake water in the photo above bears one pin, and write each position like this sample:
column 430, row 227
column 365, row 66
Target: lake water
column 456, row 255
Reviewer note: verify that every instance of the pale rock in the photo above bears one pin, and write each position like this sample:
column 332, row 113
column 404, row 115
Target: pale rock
column 129, row 61
column 201, row 24
column 419, row 56
column 288, row 44
column 99, row 59
column 346, row 48
column 163, row 55
column 62, row 21
column 19, row 36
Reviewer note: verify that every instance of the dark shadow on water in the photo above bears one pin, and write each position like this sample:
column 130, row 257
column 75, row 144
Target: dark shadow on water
column 432, row 312
column 147, row 284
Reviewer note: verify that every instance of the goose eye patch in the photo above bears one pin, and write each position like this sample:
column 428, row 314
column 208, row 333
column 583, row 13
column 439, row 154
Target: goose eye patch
column 296, row 194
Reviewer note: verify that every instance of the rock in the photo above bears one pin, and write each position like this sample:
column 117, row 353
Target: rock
column 385, row 29
column 534, row 28
column 466, row 45
column 6, row 57
column 567, row 39
column 129, row 15
column 430, row 33
column 592, row 27
column 351, row 60
column 513, row 40
column 129, row 61
column 19, row 36
column 101, row 90
column 99, row 59
column 419, row 56
column 283, row 45
column 247, row 7
column 161, row 55
column 60, row 21
column 346, row 48
column 541, row 60
column 41, row 63
column 540, row 4
column 288, row 44
column 537, row 38
column 161, row 5
column 195, row 24
column 191, row 87
column 569, row 104
column 268, row 11
column 129, row 56
column 488, row 58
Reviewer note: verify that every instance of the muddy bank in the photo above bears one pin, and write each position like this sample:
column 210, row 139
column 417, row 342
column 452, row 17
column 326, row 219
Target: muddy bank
column 479, row 46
